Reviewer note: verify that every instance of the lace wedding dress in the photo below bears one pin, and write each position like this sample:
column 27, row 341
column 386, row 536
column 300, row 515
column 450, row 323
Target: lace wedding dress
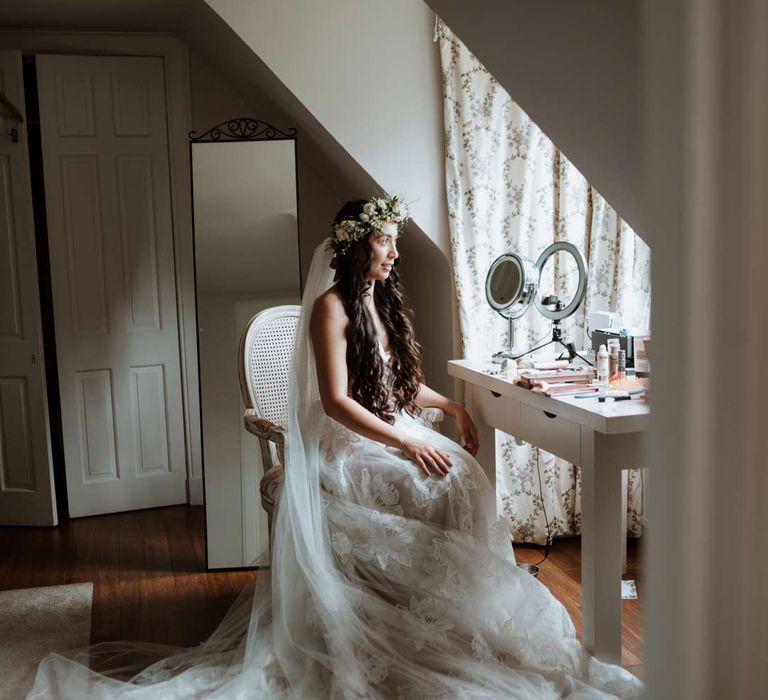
column 466, row 620
column 386, row 583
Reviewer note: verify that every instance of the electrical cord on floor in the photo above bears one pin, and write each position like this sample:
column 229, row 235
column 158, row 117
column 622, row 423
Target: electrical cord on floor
column 550, row 533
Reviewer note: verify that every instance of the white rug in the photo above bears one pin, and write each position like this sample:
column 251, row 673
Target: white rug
column 36, row 621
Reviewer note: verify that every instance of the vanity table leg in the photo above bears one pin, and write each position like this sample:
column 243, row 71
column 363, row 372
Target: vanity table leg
column 486, row 454
column 624, row 484
column 601, row 553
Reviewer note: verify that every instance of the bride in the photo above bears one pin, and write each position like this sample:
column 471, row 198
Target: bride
column 392, row 575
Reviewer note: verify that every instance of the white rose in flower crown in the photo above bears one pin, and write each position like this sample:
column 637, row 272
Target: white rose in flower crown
column 364, row 217
column 381, row 203
column 369, row 208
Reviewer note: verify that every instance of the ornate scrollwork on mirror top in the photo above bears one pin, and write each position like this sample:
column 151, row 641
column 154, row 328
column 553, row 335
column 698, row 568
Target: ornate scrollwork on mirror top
column 243, row 129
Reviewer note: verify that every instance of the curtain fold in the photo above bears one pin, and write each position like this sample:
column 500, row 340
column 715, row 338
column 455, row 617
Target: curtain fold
column 510, row 189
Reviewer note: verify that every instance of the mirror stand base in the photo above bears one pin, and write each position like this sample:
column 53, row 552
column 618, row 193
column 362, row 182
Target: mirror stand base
column 498, row 357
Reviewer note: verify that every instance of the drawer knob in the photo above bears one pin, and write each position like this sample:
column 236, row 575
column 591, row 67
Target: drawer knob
column 550, row 415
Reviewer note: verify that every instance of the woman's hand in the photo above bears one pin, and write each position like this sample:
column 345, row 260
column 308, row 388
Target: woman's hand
column 429, row 458
column 467, row 431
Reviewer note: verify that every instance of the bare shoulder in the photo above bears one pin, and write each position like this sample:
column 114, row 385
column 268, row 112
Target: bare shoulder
column 328, row 305
column 328, row 310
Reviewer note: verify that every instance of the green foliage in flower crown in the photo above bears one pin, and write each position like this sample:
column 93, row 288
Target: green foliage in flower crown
column 376, row 212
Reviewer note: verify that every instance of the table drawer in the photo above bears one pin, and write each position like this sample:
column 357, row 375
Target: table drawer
column 500, row 412
column 551, row 432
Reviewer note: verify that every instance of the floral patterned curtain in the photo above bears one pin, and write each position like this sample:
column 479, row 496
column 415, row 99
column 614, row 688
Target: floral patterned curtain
column 510, row 189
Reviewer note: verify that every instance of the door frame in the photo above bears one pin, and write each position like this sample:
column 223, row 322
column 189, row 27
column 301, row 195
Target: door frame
column 175, row 57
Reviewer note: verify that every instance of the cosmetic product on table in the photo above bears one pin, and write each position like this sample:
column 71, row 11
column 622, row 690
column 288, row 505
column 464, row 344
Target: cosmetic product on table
column 635, row 393
column 602, row 366
column 613, row 358
column 621, row 367
column 642, row 365
column 550, row 364
column 632, row 340
column 562, row 381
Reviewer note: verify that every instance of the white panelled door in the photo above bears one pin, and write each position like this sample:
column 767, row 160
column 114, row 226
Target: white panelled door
column 105, row 155
column 26, row 475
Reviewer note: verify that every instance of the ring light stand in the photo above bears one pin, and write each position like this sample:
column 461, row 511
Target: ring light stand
column 557, row 335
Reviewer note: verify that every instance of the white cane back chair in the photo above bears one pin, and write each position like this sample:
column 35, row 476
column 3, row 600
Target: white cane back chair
column 266, row 350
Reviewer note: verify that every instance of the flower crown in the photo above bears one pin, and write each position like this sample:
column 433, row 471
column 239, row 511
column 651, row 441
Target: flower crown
column 376, row 212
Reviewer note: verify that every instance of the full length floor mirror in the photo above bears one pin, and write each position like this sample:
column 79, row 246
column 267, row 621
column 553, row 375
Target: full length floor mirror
column 246, row 260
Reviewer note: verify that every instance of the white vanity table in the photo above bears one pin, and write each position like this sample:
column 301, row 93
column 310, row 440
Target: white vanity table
column 602, row 439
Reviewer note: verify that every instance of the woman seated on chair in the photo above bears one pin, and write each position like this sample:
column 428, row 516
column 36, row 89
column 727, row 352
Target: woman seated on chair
column 412, row 518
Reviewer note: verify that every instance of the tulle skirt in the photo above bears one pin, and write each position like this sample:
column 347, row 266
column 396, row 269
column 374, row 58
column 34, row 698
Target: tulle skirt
column 433, row 605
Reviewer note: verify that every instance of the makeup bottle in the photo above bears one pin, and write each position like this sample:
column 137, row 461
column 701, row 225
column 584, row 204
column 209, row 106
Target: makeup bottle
column 621, row 369
column 613, row 358
column 602, row 366
column 642, row 366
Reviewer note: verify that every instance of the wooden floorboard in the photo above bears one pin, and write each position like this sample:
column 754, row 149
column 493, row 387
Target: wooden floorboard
column 561, row 573
column 150, row 583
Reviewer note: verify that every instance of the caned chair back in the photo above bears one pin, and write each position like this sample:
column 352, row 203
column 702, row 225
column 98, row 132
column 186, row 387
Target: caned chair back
column 266, row 350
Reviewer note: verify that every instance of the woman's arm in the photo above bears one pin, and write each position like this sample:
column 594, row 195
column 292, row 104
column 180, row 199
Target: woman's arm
column 466, row 428
column 327, row 328
column 429, row 397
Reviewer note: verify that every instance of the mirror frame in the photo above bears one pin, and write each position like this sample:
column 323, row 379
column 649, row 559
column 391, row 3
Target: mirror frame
column 520, row 302
column 237, row 129
column 581, row 287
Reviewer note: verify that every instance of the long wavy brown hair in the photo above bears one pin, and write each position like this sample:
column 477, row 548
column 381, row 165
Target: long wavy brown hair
column 365, row 365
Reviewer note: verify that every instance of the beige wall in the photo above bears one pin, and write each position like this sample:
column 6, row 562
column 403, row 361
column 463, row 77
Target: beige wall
column 369, row 73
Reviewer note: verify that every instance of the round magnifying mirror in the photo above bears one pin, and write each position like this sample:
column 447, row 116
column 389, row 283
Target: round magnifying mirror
column 562, row 273
column 510, row 285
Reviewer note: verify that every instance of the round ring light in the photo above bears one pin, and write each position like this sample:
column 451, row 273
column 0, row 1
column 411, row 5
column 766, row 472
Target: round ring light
column 511, row 284
column 581, row 285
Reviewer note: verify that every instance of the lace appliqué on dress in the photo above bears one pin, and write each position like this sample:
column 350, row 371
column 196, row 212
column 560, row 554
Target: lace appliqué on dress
column 428, row 622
